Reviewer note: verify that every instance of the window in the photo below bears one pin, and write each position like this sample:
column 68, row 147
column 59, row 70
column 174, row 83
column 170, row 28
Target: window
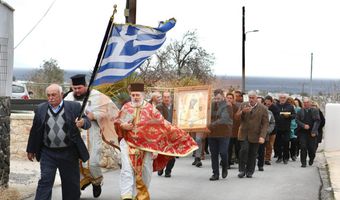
column 17, row 89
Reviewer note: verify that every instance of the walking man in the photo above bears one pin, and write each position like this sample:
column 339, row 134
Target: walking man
column 308, row 120
column 269, row 146
column 101, row 111
column 148, row 142
column 252, row 133
column 166, row 109
column 234, row 145
column 262, row 147
column 221, row 130
column 55, row 141
column 286, row 115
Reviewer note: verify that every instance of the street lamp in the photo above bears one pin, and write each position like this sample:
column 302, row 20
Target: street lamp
column 244, row 33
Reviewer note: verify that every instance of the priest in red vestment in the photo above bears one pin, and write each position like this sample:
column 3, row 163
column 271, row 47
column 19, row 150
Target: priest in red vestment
column 147, row 142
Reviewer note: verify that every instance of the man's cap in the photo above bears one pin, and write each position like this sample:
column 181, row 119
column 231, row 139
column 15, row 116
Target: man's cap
column 78, row 79
column 137, row 87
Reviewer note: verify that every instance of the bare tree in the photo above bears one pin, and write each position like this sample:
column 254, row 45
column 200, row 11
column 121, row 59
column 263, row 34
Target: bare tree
column 180, row 59
column 49, row 72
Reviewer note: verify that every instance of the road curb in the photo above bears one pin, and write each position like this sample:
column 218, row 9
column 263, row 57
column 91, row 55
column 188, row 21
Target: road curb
column 326, row 190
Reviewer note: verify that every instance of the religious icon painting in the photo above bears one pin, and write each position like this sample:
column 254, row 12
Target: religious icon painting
column 192, row 108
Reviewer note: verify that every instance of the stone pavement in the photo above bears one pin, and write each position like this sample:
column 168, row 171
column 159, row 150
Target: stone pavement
column 333, row 162
column 278, row 182
column 24, row 177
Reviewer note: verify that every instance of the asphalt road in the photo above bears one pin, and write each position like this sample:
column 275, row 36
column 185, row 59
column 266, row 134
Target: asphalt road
column 277, row 182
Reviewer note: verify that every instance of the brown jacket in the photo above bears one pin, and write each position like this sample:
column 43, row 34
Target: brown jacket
column 254, row 124
column 236, row 121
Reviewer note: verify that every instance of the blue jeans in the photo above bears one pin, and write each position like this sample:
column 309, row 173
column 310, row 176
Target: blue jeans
column 66, row 160
column 218, row 146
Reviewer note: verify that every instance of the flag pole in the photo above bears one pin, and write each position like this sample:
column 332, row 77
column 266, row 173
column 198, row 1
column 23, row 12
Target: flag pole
column 99, row 59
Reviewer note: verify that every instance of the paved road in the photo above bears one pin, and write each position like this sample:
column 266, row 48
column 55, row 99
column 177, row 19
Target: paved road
column 277, row 182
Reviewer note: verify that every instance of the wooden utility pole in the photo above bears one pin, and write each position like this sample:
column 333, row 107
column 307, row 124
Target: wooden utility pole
column 130, row 11
column 243, row 51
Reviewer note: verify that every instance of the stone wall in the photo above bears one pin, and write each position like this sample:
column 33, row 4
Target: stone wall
column 20, row 129
column 4, row 140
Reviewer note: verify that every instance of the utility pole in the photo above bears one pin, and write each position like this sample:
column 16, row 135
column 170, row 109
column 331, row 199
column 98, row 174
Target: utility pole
column 243, row 51
column 130, row 11
column 311, row 76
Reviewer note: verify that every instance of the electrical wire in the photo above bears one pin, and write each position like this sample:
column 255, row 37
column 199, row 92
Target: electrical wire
column 35, row 26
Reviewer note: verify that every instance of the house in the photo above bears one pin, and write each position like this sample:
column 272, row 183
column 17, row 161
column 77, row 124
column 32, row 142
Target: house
column 6, row 48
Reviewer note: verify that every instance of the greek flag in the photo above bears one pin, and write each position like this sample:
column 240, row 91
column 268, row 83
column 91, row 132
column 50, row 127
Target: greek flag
column 128, row 46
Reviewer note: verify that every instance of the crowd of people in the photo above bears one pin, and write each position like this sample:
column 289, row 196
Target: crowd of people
column 258, row 130
column 243, row 132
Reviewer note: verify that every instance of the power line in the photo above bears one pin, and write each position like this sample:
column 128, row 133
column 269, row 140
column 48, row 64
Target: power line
column 48, row 9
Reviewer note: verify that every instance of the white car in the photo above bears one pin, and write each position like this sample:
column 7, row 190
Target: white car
column 19, row 91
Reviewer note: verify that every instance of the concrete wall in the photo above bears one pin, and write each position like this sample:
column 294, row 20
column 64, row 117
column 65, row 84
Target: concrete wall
column 6, row 49
column 332, row 127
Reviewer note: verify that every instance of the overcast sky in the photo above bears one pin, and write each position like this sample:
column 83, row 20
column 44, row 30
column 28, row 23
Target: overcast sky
column 289, row 30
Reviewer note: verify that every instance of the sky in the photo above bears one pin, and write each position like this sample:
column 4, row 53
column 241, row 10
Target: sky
column 289, row 31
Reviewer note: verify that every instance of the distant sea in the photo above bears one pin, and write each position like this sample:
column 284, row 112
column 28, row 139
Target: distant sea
column 264, row 84
column 289, row 85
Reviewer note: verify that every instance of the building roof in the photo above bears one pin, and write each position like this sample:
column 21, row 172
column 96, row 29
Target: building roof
column 6, row 5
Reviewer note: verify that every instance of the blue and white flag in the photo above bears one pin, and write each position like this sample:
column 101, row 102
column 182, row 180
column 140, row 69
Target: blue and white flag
column 128, row 47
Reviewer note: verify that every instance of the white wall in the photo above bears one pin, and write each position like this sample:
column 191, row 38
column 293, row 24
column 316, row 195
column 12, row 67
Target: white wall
column 6, row 50
column 332, row 127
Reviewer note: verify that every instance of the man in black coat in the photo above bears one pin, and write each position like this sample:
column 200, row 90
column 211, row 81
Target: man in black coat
column 287, row 113
column 166, row 109
column 308, row 120
column 55, row 141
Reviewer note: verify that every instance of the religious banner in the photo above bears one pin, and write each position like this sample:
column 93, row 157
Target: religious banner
column 192, row 107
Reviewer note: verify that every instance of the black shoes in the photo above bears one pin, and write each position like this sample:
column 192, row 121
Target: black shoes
column 224, row 172
column 279, row 160
column 160, row 172
column 267, row 162
column 197, row 162
column 311, row 162
column 97, row 190
column 285, row 162
column 241, row 174
column 214, row 178
column 261, row 169
column 294, row 158
column 303, row 165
